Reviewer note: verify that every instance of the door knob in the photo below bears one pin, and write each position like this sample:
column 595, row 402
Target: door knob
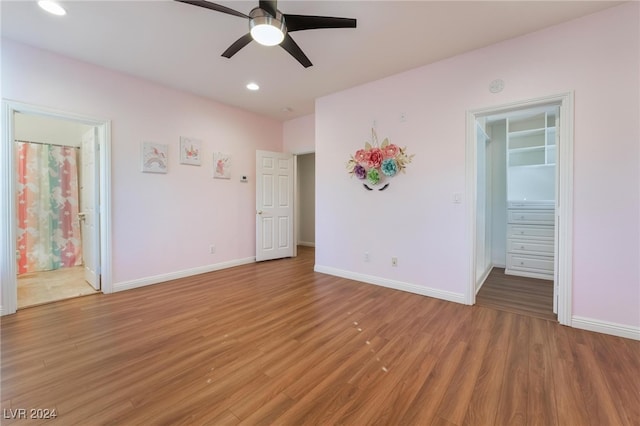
column 259, row 211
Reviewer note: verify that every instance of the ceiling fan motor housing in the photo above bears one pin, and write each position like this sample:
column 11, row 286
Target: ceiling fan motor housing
column 262, row 20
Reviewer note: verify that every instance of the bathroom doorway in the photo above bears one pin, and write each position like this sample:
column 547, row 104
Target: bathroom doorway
column 55, row 172
column 76, row 246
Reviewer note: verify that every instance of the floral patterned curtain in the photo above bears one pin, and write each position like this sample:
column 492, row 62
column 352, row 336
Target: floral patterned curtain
column 48, row 224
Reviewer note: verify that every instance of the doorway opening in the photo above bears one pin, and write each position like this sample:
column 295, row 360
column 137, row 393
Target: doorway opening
column 53, row 195
column 519, row 164
column 55, row 206
column 305, row 199
column 304, row 205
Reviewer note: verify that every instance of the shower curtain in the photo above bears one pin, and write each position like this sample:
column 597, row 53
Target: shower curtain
column 48, row 231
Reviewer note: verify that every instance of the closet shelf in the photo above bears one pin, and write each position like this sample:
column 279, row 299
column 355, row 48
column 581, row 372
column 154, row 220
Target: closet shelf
column 528, row 166
column 527, row 149
column 528, row 132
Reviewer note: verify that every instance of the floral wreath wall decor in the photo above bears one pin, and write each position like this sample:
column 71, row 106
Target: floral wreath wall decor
column 374, row 164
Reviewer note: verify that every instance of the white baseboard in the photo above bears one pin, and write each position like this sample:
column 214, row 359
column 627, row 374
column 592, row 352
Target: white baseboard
column 605, row 327
column 306, row 243
column 141, row 282
column 547, row 277
column 483, row 279
column 397, row 285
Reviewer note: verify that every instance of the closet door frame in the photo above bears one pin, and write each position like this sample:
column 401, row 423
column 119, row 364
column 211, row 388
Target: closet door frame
column 564, row 196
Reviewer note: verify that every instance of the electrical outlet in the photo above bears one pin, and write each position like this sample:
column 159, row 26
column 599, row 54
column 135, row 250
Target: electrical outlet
column 366, row 256
column 394, row 261
column 212, row 249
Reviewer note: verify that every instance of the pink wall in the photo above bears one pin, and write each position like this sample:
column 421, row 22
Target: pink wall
column 161, row 223
column 299, row 135
column 597, row 57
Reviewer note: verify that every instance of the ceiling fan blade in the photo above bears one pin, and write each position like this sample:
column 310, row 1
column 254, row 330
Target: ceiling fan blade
column 308, row 22
column 270, row 6
column 213, row 6
column 290, row 46
column 237, row 45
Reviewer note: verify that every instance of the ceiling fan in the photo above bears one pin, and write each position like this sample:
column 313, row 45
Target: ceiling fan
column 268, row 26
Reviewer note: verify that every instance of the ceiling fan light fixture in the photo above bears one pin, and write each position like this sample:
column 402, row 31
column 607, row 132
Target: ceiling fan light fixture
column 265, row 29
column 52, row 7
column 267, row 34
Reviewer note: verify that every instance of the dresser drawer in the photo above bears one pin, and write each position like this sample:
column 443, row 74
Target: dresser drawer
column 530, row 231
column 537, row 247
column 533, row 217
column 531, row 205
column 537, row 264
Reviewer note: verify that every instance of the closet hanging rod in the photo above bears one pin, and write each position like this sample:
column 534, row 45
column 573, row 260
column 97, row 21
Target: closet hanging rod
column 45, row 143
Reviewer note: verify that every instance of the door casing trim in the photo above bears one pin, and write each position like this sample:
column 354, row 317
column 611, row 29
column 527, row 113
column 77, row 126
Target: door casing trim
column 564, row 196
column 8, row 291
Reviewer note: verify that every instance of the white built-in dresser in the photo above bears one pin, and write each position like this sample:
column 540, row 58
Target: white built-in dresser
column 531, row 158
column 530, row 239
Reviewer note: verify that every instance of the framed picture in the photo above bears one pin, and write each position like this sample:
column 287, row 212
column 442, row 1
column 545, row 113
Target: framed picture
column 221, row 165
column 155, row 157
column 190, row 151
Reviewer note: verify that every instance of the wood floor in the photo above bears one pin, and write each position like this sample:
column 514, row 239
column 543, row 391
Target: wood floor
column 36, row 288
column 276, row 343
column 520, row 295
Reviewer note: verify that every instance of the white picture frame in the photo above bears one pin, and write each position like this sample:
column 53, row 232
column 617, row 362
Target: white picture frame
column 221, row 165
column 155, row 157
column 190, row 151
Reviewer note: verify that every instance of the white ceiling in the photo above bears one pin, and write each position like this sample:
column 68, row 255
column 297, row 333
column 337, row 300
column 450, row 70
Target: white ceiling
column 179, row 45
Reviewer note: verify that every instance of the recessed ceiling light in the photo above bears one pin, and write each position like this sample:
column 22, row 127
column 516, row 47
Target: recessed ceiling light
column 253, row 86
column 52, row 7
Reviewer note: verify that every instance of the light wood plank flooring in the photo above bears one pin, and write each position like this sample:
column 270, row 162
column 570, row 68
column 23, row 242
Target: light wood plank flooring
column 36, row 288
column 276, row 343
column 520, row 295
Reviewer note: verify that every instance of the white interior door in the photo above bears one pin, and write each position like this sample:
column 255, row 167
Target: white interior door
column 274, row 205
column 89, row 208
column 481, row 206
column 556, row 243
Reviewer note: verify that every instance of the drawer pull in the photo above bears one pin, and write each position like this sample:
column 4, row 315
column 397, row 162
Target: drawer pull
column 521, row 217
column 521, row 247
column 521, row 263
column 521, row 232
